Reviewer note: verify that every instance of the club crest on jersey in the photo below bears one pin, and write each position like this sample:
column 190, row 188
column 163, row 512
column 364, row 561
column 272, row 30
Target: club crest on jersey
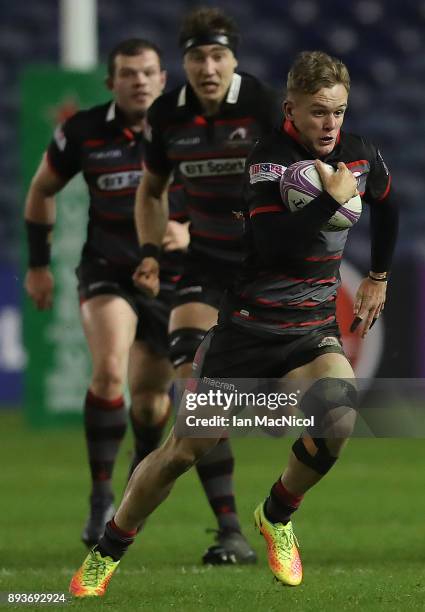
column 241, row 133
column 239, row 137
column 265, row 172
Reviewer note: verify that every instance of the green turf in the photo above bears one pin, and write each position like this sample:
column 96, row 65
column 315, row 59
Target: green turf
column 362, row 530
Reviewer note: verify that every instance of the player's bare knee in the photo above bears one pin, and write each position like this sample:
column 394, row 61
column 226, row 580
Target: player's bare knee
column 338, row 424
column 150, row 407
column 332, row 402
column 108, row 377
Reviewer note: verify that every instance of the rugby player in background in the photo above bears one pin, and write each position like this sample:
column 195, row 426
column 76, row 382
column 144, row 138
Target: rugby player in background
column 294, row 335
column 205, row 129
column 126, row 333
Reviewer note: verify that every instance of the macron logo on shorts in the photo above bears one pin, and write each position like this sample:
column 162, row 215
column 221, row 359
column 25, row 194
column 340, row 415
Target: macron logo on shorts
column 103, row 285
column 265, row 172
column 186, row 290
column 329, row 341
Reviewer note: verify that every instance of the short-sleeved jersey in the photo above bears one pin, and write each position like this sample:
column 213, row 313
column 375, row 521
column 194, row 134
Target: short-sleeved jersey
column 210, row 155
column 297, row 294
column 110, row 156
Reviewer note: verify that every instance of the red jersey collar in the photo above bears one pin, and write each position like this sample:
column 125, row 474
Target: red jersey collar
column 116, row 116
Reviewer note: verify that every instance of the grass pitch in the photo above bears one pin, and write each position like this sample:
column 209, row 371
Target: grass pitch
column 362, row 530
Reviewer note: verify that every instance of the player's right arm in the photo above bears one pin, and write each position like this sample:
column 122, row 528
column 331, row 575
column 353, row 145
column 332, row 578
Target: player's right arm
column 60, row 163
column 151, row 216
column 40, row 214
column 151, row 207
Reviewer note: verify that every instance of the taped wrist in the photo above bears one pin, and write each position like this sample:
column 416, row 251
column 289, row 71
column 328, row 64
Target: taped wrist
column 150, row 250
column 39, row 236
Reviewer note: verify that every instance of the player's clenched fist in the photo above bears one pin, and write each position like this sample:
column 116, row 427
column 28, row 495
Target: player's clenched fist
column 146, row 276
column 39, row 285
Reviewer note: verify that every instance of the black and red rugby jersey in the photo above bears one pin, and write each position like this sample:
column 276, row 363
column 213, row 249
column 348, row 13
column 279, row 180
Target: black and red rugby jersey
column 296, row 292
column 110, row 156
column 210, row 155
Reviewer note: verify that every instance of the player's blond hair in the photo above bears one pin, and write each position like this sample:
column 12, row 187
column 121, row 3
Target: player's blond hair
column 313, row 70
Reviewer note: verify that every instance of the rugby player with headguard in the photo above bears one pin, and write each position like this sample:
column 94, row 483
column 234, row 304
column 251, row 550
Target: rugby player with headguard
column 109, row 144
column 205, row 130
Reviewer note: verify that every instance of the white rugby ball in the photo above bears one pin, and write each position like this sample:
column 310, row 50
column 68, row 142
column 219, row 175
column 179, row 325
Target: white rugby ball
column 301, row 183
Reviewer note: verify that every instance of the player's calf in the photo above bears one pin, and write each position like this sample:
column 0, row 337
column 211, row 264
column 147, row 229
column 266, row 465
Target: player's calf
column 180, row 454
column 333, row 402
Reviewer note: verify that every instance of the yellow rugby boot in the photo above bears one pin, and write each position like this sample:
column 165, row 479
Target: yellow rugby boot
column 282, row 549
column 93, row 577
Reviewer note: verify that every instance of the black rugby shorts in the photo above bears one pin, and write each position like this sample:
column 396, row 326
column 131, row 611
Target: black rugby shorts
column 96, row 276
column 229, row 351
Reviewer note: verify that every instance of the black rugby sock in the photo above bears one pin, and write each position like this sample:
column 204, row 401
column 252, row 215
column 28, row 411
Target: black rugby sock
column 146, row 437
column 105, row 423
column 216, row 473
column 281, row 504
column 115, row 541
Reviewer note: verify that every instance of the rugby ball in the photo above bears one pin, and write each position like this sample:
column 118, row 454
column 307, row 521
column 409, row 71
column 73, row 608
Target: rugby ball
column 301, row 183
